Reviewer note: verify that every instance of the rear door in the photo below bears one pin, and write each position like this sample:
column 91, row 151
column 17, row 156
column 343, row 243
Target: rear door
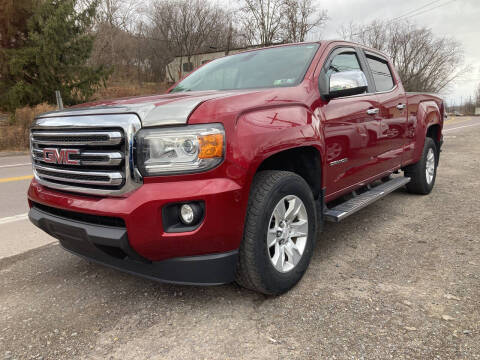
column 392, row 114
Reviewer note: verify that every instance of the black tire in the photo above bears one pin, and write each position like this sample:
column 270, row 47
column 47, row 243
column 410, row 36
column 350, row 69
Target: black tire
column 255, row 269
column 417, row 172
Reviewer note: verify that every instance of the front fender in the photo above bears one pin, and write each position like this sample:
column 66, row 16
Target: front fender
column 262, row 133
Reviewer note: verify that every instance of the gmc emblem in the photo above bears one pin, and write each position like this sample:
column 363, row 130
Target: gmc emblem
column 60, row 156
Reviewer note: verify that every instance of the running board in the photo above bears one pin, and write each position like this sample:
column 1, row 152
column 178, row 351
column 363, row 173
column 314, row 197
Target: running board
column 351, row 206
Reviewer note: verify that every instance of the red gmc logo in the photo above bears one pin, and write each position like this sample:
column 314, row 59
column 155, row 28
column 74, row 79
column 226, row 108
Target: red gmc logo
column 60, row 156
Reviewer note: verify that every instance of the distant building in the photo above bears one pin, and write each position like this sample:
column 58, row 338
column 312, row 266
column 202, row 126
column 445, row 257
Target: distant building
column 175, row 73
column 477, row 111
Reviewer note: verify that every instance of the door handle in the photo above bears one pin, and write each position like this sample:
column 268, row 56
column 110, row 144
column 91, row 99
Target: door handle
column 401, row 106
column 373, row 111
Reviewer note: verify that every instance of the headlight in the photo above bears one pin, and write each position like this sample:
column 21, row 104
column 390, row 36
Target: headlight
column 185, row 149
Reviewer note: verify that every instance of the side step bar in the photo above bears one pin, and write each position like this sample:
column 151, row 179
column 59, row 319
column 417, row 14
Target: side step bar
column 351, row 206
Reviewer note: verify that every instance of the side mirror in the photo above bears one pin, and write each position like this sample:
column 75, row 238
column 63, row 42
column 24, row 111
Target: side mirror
column 347, row 83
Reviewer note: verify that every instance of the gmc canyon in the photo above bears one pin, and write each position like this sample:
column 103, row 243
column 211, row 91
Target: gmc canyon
column 230, row 175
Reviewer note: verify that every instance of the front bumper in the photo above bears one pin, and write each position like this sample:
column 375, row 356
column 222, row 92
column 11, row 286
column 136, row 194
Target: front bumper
column 109, row 245
column 141, row 214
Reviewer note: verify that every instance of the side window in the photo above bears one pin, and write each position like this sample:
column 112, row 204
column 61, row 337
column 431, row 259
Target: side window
column 340, row 60
column 346, row 61
column 381, row 73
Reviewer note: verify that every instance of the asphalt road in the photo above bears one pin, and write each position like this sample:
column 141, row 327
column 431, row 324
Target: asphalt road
column 17, row 234
column 400, row 279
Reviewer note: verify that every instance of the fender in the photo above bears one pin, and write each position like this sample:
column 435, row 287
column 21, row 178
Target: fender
column 262, row 132
column 427, row 115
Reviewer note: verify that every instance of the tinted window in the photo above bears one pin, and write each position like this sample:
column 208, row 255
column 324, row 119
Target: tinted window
column 381, row 74
column 344, row 62
column 273, row 67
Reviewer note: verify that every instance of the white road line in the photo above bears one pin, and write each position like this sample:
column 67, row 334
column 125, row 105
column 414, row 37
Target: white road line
column 14, row 218
column 460, row 127
column 14, row 165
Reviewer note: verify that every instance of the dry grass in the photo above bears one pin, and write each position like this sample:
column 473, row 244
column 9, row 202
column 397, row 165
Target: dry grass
column 115, row 91
column 14, row 136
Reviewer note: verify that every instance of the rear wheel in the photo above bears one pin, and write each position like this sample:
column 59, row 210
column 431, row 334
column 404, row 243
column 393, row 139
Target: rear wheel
column 424, row 172
column 279, row 233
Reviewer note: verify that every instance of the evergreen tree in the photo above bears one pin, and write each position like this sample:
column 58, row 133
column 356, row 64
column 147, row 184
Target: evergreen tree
column 54, row 56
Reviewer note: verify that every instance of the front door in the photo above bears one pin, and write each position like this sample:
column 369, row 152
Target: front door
column 351, row 125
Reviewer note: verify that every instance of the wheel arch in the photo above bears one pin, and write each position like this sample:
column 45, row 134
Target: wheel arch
column 428, row 125
column 305, row 161
column 434, row 131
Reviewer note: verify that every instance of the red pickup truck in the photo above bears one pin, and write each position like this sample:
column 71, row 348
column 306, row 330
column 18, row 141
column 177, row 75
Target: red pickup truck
column 230, row 175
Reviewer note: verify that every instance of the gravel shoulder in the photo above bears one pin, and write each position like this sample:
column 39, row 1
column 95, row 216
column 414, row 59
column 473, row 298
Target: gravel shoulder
column 400, row 279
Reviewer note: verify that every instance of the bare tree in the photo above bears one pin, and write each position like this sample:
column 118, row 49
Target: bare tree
column 301, row 16
column 114, row 45
column 375, row 34
column 425, row 62
column 262, row 21
column 140, row 40
column 187, row 27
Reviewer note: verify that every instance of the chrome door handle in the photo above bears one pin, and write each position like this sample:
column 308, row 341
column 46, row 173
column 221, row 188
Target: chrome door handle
column 372, row 111
column 401, row 106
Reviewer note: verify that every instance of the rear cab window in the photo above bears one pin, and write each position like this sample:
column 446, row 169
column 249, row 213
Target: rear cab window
column 382, row 75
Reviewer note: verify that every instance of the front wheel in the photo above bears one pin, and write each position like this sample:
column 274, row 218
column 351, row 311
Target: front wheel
column 424, row 172
column 279, row 233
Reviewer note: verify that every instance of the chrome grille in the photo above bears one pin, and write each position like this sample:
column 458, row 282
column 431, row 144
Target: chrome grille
column 103, row 178
column 88, row 157
column 83, row 138
column 71, row 153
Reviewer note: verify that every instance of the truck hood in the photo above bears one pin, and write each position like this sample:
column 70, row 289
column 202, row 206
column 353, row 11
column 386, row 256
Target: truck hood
column 155, row 110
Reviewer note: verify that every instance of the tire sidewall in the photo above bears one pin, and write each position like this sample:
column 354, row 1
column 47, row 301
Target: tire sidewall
column 429, row 144
column 274, row 281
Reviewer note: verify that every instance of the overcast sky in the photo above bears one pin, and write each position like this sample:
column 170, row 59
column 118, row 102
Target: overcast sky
column 456, row 18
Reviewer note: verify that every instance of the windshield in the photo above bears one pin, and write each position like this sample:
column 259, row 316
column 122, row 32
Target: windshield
column 274, row 67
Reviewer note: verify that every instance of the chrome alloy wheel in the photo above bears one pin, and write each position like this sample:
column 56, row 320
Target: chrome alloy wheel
column 430, row 166
column 287, row 233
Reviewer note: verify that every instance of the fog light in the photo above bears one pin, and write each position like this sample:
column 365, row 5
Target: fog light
column 187, row 214
column 183, row 216
column 191, row 213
